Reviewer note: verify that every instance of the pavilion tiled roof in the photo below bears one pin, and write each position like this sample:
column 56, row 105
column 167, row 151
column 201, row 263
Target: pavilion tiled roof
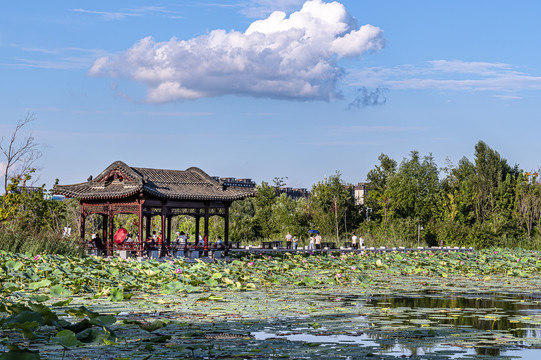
column 120, row 180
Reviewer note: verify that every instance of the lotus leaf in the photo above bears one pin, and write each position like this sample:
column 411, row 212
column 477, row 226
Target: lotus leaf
column 66, row 338
column 59, row 291
column 116, row 294
column 40, row 284
column 16, row 353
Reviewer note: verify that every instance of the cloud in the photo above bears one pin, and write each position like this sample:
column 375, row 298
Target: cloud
column 364, row 128
column 293, row 57
column 365, row 97
column 472, row 67
column 69, row 58
column 108, row 15
column 447, row 75
column 507, row 97
column 131, row 12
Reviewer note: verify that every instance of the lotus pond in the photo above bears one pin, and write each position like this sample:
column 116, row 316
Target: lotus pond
column 339, row 306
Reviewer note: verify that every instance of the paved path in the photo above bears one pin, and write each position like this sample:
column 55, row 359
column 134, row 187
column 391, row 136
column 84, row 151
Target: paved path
column 258, row 250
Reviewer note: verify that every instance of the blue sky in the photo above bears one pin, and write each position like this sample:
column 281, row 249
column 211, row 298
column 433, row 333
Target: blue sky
column 238, row 92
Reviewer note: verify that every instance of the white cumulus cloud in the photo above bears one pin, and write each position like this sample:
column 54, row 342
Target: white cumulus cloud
column 290, row 57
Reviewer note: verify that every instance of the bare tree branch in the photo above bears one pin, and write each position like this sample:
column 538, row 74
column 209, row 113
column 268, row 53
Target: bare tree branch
column 20, row 157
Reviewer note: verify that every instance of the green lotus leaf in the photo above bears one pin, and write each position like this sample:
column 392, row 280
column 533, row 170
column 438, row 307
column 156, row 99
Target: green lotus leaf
column 160, row 339
column 9, row 287
column 80, row 326
column 66, row 339
column 25, row 319
column 39, row 298
column 59, row 291
column 116, row 294
column 16, row 353
column 39, row 284
column 103, row 320
column 172, row 287
column 13, row 265
column 211, row 283
column 153, row 326
column 48, row 316
column 90, row 335
column 63, row 302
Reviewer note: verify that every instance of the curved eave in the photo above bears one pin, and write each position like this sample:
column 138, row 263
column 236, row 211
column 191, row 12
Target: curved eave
column 200, row 197
column 95, row 196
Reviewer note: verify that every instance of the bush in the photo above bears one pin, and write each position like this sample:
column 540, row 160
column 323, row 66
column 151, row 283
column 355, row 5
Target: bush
column 16, row 241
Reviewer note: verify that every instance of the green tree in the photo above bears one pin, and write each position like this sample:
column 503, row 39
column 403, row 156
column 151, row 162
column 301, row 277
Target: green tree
column 264, row 201
column 491, row 171
column 415, row 188
column 380, row 197
column 528, row 202
column 243, row 226
column 331, row 205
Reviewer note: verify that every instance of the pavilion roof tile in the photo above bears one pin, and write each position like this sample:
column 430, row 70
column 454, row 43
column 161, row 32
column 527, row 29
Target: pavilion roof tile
column 119, row 181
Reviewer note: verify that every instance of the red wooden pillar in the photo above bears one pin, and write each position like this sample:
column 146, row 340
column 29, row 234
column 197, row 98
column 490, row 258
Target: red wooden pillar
column 104, row 224
column 169, row 218
column 148, row 226
column 206, row 237
column 164, row 229
column 168, row 243
column 110, row 241
column 226, row 227
column 141, row 237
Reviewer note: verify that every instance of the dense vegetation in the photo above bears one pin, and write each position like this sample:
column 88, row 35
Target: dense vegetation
column 481, row 203
column 30, row 221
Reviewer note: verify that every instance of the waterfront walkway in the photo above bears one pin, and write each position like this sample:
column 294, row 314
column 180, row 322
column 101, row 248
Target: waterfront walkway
column 194, row 256
column 257, row 250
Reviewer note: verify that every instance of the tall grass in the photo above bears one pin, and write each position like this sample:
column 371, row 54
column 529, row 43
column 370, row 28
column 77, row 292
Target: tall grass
column 17, row 241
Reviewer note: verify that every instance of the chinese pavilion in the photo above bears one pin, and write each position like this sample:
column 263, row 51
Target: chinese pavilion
column 121, row 189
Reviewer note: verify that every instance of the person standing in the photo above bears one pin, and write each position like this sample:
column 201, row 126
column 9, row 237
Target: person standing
column 361, row 241
column 311, row 245
column 295, row 242
column 183, row 239
column 288, row 240
column 354, row 242
column 318, row 241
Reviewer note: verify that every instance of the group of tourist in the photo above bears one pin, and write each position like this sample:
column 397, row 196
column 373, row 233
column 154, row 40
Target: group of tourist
column 354, row 243
column 155, row 241
column 292, row 242
column 315, row 242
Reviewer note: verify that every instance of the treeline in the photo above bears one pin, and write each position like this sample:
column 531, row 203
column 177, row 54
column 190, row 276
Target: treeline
column 31, row 222
column 481, row 202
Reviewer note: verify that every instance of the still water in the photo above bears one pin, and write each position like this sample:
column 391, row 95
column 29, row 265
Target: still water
column 431, row 325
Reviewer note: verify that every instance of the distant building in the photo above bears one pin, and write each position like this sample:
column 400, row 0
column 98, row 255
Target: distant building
column 294, row 193
column 27, row 189
column 361, row 192
column 233, row 182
